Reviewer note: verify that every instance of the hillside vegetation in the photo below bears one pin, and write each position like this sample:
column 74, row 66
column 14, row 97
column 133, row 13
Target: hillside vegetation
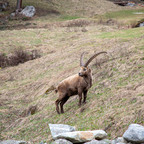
column 117, row 95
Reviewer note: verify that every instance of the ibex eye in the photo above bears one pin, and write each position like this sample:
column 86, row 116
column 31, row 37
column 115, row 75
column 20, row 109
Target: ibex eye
column 84, row 69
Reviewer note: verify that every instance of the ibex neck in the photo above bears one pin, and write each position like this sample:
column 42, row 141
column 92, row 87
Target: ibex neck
column 88, row 80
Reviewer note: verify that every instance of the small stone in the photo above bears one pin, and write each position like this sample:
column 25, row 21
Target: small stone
column 134, row 133
column 13, row 14
column 62, row 141
column 105, row 141
column 121, row 140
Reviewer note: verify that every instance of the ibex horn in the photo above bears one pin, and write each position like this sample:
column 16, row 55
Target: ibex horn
column 81, row 59
column 90, row 59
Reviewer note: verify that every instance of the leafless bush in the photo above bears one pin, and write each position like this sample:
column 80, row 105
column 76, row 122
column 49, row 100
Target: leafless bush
column 17, row 57
column 77, row 23
column 3, row 60
column 107, row 22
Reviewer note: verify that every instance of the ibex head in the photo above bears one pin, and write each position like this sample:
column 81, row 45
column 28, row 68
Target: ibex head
column 85, row 70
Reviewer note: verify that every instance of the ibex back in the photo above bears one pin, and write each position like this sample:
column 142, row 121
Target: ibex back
column 75, row 84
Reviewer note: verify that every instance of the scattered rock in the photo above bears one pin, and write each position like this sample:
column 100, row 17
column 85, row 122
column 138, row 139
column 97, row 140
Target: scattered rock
column 57, row 129
column 82, row 136
column 32, row 110
column 105, row 141
column 28, row 11
column 42, row 143
column 3, row 6
column 121, row 140
column 141, row 24
column 131, row 4
column 134, row 133
column 61, row 141
column 13, row 142
column 13, row 14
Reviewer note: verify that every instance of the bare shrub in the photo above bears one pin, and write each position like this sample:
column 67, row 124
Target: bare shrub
column 3, row 60
column 107, row 22
column 35, row 54
column 17, row 57
column 77, row 23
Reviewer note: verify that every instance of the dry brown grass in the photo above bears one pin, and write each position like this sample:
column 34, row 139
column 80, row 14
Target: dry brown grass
column 114, row 101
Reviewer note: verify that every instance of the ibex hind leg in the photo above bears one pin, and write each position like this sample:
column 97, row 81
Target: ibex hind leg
column 63, row 101
column 57, row 105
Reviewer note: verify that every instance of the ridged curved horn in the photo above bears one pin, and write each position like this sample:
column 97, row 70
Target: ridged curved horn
column 90, row 59
column 81, row 59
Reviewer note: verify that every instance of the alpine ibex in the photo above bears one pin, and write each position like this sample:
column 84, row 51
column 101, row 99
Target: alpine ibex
column 76, row 84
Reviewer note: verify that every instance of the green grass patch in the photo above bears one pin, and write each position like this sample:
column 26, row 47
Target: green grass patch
column 123, row 17
column 68, row 17
column 124, row 13
column 123, row 34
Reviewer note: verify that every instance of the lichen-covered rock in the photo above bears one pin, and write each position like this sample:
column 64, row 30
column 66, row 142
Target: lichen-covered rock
column 134, row 133
column 82, row 136
column 60, row 128
column 13, row 142
column 28, row 11
column 62, row 141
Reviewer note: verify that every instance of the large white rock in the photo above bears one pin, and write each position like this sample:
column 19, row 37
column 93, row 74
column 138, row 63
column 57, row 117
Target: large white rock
column 12, row 142
column 82, row 136
column 60, row 128
column 134, row 133
column 28, row 11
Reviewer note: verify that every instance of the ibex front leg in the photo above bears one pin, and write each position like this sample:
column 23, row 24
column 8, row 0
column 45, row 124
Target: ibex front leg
column 85, row 96
column 80, row 97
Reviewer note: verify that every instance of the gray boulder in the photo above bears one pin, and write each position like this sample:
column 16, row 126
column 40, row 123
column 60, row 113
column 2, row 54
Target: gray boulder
column 119, row 140
column 60, row 128
column 28, row 11
column 12, row 142
column 62, row 141
column 134, row 133
column 105, row 141
column 82, row 136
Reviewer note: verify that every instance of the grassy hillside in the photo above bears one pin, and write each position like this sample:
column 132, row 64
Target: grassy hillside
column 116, row 97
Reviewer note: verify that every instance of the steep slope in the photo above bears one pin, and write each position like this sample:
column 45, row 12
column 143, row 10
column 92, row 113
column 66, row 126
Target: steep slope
column 116, row 97
column 114, row 101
